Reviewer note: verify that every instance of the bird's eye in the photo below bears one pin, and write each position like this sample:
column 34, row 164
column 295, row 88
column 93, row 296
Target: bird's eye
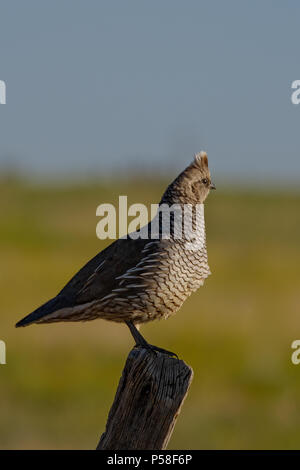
column 205, row 181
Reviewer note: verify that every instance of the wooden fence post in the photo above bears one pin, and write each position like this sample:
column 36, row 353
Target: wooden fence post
column 147, row 402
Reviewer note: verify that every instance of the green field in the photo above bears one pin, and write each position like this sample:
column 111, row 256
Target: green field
column 236, row 331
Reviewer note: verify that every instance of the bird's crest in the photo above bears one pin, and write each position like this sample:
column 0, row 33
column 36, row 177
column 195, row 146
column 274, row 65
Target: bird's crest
column 200, row 160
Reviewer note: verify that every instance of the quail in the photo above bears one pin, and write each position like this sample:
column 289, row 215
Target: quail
column 137, row 279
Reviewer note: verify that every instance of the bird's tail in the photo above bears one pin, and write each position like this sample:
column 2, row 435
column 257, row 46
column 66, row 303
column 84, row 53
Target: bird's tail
column 51, row 306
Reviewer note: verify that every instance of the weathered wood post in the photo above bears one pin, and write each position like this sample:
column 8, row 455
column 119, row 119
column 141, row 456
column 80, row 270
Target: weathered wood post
column 148, row 400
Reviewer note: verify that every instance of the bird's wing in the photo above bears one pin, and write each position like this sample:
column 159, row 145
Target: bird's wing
column 99, row 276
column 94, row 281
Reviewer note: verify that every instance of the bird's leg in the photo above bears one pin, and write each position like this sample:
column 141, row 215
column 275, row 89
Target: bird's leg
column 140, row 340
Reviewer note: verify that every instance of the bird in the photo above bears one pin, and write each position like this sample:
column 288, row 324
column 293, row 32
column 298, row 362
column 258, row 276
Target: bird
column 139, row 279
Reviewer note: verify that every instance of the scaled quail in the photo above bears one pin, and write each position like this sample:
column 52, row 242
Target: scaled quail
column 142, row 278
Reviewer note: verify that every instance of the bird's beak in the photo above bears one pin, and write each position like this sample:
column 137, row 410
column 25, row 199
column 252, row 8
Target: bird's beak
column 212, row 186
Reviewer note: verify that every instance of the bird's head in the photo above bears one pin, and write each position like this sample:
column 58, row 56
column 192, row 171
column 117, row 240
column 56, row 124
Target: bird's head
column 193, row 185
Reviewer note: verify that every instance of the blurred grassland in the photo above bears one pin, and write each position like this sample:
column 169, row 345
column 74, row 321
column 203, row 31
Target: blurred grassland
column 236, row 331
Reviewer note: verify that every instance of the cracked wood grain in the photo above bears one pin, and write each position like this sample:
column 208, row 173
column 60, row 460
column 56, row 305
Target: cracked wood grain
column 148, row 401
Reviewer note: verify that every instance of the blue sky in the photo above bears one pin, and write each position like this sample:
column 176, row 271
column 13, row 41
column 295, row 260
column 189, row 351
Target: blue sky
column 110, row 85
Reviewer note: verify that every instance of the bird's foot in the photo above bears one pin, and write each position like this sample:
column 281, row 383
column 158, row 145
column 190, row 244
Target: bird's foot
column 153, row 348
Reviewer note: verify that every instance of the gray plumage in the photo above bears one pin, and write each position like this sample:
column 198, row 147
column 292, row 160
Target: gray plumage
column 138, row 280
